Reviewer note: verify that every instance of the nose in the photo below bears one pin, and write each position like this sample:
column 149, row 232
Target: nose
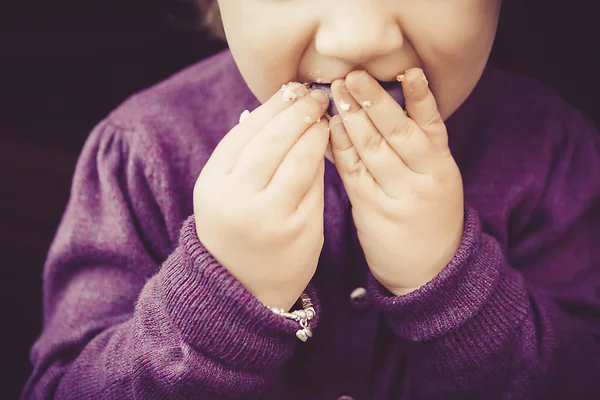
column 358, row 33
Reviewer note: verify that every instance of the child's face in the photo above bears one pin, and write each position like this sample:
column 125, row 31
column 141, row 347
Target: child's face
column 278, row 41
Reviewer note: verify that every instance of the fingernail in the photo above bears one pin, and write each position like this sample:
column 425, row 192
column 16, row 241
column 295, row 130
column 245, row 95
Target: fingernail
column 416, row 83
column 320, row 96
column 400, row 78
column 345, row 99
column 301, row 89
column 357, row 79
column 344, row 88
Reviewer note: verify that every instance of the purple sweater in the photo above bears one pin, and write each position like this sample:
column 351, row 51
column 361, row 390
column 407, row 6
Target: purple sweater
column 135, row 307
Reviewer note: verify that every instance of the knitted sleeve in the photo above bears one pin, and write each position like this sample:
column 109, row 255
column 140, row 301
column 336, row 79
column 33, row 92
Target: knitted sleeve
column 121, row 323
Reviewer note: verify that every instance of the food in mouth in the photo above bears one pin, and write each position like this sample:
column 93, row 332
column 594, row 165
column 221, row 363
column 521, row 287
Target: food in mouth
column 393, row 88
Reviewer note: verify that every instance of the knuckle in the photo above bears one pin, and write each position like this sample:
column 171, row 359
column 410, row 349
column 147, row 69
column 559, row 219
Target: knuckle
column 434, row 121
column 401, row 132
column 374, row 143
column 292, row 228
column 356, row 170
column 281, row 230
column 266, row 231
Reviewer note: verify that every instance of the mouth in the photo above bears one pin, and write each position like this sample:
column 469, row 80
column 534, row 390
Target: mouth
column 394, row 89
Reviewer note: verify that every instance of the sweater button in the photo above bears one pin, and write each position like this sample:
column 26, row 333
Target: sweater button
column 359, row 300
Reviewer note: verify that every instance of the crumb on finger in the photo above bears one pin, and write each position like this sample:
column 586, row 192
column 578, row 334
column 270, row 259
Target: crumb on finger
column 292, row 91
column 244, row 115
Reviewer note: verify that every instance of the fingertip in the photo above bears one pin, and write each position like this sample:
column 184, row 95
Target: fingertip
column 320, row 96
column 415, row 84
column 414, row 73
column 356, row 79
column 336, row 84
column 292, row 91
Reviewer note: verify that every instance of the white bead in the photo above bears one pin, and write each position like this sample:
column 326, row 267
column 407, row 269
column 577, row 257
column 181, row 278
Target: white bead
column 302, row 335
column 308, row 331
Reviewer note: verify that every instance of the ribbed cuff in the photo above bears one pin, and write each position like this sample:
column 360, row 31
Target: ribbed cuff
column 476, row 282
column 217, row 314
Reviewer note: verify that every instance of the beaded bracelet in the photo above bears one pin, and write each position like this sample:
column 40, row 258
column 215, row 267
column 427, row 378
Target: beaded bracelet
column 302, row 316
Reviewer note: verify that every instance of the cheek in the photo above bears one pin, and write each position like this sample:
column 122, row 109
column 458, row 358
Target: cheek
column 267, row 60
column 464, row 48
column 452, row 77
column 454, row 58
column 458, row 61
column 266, row 66
column 459, row 39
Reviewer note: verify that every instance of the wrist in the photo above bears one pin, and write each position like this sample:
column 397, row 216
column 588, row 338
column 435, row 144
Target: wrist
column 425, row 275
column 303, row 316
column 408, row 286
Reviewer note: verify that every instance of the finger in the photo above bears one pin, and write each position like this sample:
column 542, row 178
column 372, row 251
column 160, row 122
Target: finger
column 313, row 202
column 261, row 157
column 355, row 175
column 381, row 160
column 422, row 108
column 402, row 134
column 296, row 173
column 231, row 146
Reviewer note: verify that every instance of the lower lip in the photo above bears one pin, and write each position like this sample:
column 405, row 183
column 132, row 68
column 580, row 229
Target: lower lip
column 393, row 88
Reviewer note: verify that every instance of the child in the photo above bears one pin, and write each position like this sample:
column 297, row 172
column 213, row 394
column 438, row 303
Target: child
column 449, row 252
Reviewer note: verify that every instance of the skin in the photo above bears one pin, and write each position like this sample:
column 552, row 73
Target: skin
column 278, row 41
column 399, row 174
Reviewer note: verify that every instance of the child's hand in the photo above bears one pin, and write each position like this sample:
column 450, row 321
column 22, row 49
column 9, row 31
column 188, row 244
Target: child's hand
column 259, row 203
column 404, row 185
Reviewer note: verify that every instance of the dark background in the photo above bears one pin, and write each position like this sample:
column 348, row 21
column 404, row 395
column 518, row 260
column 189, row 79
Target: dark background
column 65, row 64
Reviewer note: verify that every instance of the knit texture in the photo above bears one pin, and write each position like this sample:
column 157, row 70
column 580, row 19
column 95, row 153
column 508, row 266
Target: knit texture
column 136, row 308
